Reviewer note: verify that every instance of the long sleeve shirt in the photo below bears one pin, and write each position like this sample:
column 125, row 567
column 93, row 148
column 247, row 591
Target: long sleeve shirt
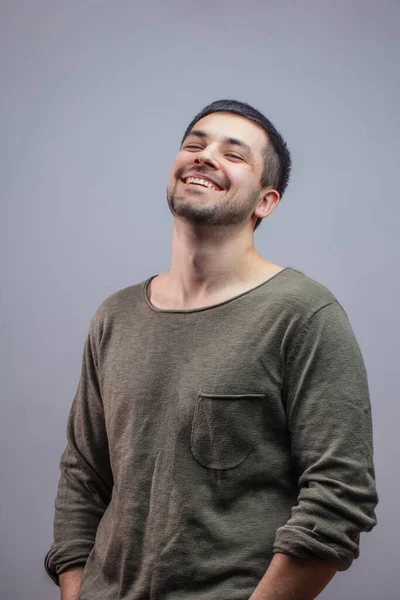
column 202, row 441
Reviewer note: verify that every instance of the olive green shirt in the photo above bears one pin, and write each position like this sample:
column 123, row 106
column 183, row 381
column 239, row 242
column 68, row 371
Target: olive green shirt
column 202, row 441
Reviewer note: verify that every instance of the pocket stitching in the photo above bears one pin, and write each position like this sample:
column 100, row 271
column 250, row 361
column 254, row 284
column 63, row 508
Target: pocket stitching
column 201, row 395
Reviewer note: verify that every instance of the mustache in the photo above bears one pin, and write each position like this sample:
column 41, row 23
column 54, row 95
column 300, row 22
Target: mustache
column 224, row 184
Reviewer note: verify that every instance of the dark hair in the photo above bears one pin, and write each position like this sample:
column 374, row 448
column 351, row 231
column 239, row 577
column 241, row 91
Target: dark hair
column 277, row 160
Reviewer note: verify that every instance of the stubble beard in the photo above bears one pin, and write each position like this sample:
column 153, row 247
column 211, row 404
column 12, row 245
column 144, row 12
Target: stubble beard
column 225, row 212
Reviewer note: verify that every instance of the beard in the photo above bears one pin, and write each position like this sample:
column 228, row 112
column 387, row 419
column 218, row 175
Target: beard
column 228, row 211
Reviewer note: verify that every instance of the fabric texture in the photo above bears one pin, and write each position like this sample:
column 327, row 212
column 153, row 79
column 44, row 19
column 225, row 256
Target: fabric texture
column 202, row 441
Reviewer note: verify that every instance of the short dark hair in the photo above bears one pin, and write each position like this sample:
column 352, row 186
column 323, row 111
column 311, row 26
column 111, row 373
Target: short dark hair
column 277, row 160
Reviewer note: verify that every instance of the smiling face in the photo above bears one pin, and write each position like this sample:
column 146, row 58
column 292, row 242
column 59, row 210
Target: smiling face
column 215, row 177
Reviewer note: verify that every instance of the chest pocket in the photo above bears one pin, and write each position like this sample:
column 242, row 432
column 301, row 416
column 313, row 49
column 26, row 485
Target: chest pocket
column 225, row 429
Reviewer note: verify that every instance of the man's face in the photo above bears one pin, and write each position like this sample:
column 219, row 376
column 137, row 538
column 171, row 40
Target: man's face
column 215, row 177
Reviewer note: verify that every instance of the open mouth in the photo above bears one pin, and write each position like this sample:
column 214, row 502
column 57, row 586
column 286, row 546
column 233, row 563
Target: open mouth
column 201, row 181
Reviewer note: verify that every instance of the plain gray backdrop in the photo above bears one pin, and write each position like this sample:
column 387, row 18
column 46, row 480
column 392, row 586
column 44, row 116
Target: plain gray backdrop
column 95, row 96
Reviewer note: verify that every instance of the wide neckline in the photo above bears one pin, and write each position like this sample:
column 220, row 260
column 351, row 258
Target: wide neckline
column 210, row 306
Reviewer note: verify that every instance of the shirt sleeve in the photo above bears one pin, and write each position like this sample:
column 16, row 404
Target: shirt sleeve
column 85, row 484
column 329, row 419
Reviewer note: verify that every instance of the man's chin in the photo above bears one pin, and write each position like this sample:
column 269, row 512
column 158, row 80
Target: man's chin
column 181, row 210
column 200, row 214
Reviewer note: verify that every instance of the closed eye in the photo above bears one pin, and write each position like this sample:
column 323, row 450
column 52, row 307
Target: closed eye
column 196, row 147
column 236, row 156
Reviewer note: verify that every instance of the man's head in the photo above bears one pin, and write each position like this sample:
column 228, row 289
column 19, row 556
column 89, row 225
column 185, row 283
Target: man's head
column 244, row 161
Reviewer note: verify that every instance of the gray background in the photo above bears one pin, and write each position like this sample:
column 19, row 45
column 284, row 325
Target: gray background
column 94, row 98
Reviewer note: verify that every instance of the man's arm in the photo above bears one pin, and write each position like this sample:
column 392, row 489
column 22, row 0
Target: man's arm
column 86, row 481
column 327, row 403
column 289, row 578
column 70, row 583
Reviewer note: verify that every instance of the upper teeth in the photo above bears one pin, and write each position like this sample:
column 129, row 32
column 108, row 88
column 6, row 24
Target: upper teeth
column 201, row 182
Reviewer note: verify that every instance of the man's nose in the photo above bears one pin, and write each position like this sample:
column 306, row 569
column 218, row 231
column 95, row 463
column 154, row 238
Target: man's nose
column 206, row 157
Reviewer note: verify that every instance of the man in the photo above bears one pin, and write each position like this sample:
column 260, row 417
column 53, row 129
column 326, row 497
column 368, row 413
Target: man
column 219, row 444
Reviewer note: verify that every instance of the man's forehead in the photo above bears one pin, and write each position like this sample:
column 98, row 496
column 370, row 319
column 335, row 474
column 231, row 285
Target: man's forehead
column 229, row 124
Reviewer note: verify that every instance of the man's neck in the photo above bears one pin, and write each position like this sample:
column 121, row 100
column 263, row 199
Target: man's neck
column 208, row 269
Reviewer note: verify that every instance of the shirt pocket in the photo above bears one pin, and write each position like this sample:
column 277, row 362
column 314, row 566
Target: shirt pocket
column 225, row 428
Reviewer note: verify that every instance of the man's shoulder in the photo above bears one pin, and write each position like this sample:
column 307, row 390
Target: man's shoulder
column 302, row 293
column 120, row 303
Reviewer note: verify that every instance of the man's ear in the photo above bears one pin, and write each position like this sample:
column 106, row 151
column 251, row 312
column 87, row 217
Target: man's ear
column 268, row 201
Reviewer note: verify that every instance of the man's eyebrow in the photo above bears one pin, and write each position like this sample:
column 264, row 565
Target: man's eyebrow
column 235, row 142
column 197, row 132
column 226, row 140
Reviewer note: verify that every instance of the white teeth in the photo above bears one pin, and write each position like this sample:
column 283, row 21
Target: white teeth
column 200, row 182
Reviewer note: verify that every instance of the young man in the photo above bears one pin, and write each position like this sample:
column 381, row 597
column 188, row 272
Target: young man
column 219, row 444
